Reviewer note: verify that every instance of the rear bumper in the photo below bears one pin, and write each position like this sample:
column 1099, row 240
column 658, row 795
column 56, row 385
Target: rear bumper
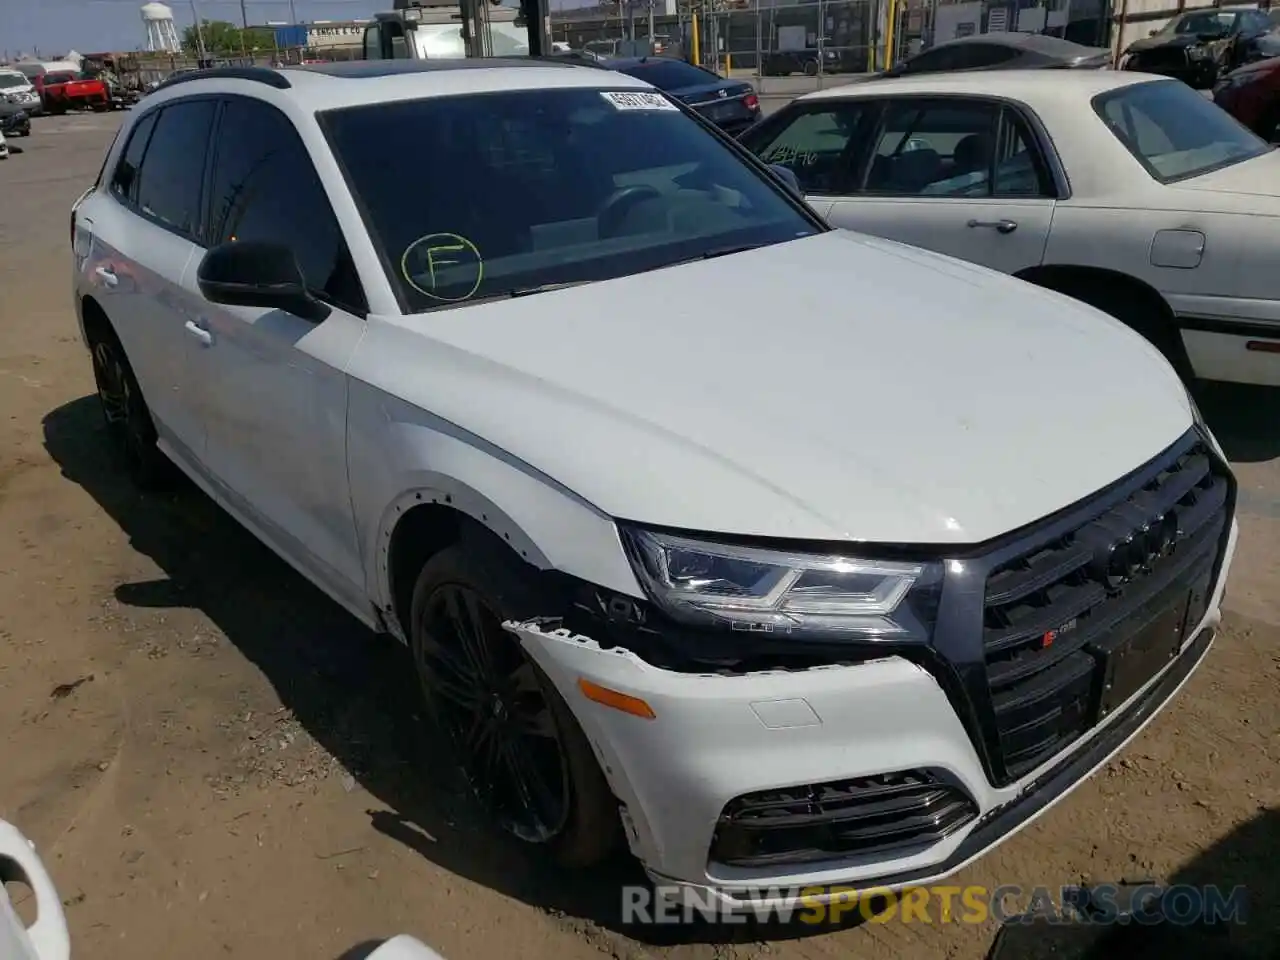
column 1230, row 339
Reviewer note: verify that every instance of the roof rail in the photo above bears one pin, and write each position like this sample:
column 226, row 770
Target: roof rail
column 272, row 78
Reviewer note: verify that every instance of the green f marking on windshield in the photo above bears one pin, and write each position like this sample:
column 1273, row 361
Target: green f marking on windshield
column 442, row 253
column 441, row 249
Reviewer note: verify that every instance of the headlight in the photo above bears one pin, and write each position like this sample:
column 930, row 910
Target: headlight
column 783, row 592
column 1198, row 53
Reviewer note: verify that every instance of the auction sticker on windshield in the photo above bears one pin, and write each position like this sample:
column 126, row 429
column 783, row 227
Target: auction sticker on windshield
column 638, row 101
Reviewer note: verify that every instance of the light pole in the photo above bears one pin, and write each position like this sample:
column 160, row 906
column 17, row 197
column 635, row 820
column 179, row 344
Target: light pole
column 200, row 48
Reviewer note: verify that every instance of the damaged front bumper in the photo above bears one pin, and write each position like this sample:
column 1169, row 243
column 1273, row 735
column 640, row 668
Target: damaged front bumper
column 854, row 737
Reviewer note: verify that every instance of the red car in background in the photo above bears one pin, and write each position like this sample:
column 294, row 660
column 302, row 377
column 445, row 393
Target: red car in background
column 1251, row 94
column 61, row 91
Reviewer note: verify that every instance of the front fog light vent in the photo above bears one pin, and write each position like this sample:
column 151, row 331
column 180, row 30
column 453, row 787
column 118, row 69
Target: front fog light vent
column 893, row 811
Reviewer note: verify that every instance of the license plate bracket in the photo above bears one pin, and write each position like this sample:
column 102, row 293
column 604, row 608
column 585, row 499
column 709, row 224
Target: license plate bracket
column 1134, row 660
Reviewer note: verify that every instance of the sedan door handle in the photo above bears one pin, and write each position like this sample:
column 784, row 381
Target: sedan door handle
column 999, row 226
column 107, row 275
column 199, row 332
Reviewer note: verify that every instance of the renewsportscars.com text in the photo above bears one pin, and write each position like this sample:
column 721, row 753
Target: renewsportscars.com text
column 1104, row 903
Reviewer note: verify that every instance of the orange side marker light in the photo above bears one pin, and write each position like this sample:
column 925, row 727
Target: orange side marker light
column 619, row 701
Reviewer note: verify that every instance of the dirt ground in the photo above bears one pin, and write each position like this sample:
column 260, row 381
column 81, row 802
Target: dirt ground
column 214, row 760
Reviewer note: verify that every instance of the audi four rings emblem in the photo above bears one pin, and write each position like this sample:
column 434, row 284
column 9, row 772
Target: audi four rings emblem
column 1124, row 559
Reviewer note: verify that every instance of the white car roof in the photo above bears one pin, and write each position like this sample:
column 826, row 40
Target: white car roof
column 1033, row 87
column 328, row 86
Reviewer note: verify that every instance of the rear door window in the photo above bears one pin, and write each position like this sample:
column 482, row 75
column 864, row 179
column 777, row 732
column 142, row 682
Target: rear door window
column 957, row 148
column 169, row 190
column 125, row 180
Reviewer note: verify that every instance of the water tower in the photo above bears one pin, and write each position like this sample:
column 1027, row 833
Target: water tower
column 162, row 35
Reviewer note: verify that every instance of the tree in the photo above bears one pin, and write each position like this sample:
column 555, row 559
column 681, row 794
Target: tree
column 225, row 39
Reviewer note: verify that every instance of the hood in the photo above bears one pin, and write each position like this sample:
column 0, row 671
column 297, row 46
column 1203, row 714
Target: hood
column 1172, row 41
column 710, row 92
column 1259, row 177
column 836, row 387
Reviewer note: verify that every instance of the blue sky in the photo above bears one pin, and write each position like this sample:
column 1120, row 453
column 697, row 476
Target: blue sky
column 92, row 26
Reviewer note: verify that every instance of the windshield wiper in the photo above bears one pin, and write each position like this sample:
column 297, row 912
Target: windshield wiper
column 715, row 252
column 509, row 294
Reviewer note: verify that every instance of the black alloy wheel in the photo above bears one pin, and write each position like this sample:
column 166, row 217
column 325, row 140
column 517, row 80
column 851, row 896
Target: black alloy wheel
column 129, row 424
column 512, row 735
column 491, row 703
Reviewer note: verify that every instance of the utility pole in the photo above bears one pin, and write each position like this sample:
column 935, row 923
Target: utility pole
column 651, row 3
column 201, row 52
column 244, row 28
column 293, row 15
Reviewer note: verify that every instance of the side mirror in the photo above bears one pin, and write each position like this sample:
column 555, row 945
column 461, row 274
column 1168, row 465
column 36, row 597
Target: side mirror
column 788, row 177
column 248, row 274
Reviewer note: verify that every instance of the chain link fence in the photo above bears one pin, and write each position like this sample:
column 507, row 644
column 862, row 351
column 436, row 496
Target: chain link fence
column 819, row 38
column 776, row 43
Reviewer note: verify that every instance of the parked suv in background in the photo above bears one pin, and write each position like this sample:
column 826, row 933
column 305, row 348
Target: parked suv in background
column 523, row 365
column 17, row 94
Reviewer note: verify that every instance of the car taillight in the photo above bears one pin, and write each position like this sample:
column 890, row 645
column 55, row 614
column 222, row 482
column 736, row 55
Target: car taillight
column 751, row 101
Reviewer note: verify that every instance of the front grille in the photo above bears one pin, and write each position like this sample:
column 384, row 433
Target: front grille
column 897, row 811
column 1160, row 61
column 1057, row 617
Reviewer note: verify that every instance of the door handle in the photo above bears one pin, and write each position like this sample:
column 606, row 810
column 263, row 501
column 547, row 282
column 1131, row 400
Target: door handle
column 999, row 226
column 199, row 332
column 107, row 275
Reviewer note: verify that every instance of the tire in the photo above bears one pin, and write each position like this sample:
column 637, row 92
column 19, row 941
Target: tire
column 1139, row 315
column 516, row 706
column 811, row 68
column 129, row 424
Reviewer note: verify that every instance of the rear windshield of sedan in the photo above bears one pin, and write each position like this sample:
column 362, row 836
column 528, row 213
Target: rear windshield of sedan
column 496, row 194
column 668, row 74
column 1173, row 131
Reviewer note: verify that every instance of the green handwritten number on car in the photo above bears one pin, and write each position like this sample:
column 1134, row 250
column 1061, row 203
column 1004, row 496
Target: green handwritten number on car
column 443, row 261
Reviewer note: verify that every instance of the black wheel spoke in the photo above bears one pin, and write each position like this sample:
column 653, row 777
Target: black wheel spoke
column 529, row 782
column 469, row 639
column 487, row 696
column 444, row 655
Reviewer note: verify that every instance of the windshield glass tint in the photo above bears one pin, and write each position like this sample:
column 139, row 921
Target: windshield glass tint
column 13, row 80
column 480, row 195
column 668, row 74
column 1175, row 132
column 1205, row 22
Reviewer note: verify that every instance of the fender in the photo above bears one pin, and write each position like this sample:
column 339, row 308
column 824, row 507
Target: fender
column 400, row 457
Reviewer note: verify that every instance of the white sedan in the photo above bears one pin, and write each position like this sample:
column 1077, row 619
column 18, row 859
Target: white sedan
column 1130, row 192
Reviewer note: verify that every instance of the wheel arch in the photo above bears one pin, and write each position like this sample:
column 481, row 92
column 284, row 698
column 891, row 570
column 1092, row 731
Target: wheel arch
column 540, row 525
column 426, row 519
column 1064, row 277
column 93, row 317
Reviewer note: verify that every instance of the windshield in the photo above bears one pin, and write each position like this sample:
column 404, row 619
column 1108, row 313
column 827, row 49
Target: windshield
column 1173, row 131
column 1207, row 21
column 668, row 74
column 13, row 80
column 485, row 194
column 444, row 41
column 60, row 77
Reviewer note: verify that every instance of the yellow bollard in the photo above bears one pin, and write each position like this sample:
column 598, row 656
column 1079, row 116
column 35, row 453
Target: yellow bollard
column 697, row 53
column 728, row 64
